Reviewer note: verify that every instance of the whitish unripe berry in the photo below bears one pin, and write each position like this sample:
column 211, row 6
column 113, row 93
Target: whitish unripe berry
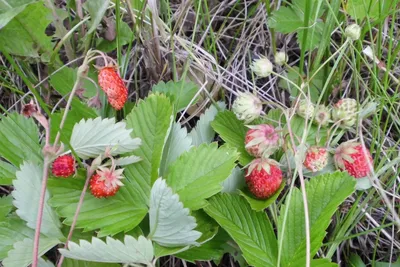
column 247, row 107
column 262, row 67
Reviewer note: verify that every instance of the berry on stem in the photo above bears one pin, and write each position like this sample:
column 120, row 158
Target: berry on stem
column 106, row 182
column 316, row 158
column 354, row 158
column 113, row 86
column 63, row 166
column 261, row 140
column 247, row 107
column 345, row 112
column 263, row 177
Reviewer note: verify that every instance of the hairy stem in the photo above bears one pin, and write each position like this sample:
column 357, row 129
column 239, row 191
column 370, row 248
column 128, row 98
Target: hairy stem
column 78, row 209
column 40, row 211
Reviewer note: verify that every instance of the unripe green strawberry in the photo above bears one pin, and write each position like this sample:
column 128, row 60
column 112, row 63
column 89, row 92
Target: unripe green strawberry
column 261, row 140
column 345, row 111
column 262, row 67
column 316, row 158
column 354, row 158
column 263, row 177
column 322, row 115
column 305, row 109
column 247, row 107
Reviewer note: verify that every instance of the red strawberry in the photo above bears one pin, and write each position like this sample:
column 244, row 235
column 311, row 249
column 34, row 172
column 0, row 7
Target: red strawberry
column 264, row 177
column 106, row 182
column 354, row 158
column 113, row 86
column 63, row 166
column 261, row 140
column 316, row 158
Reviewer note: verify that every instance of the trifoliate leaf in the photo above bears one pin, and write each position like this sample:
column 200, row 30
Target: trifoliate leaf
column 21, row 254
column 170, row 223
column 178, row 142
column 26, row 199
column 92, row 137
column 324, row 194
column 198, row 173
column 131, row 251
column 203, row 132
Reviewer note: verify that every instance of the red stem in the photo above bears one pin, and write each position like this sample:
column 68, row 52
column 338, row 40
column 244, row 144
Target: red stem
column 78, row 209
column 40, row 212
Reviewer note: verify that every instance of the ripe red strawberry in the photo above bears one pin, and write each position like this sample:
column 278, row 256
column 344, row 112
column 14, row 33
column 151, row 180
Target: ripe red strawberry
column 354, row 158
column 261, row 140
column 106, row 182
column 263, row 177
column 316, row 158
column 113, row 86
column 63, row 166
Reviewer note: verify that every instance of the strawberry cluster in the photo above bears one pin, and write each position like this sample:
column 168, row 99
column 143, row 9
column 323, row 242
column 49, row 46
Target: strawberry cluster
column 264, row 176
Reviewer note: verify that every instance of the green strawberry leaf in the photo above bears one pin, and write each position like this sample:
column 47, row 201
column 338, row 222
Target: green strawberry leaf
column 92, row 137
column 24, row 35
column 203, row 132
column 324, row 193
column 234, row 182
column 205, row 167
column 290, row 19
column 210, row 250
column 10, row 9
column 180, row 93
column 96, row 9
column 131, row 251
column 5, row 207
column 12, row 230
column 19, row 140
column 124, row 34
column 119, row 213
column 323, row 263
column 7, row 172
column 251, row 230
column 359, row 9
column 26, row 194
column 259, row 204
column 151, row 121
column 21, row 254
column 170, row 223
column 178, row 142
column 76, row 263
column 233, row 132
